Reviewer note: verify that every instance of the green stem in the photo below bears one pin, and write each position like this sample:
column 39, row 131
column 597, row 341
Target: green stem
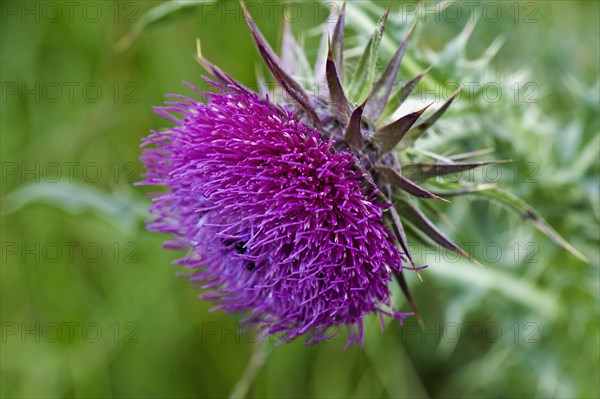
column 258, row 358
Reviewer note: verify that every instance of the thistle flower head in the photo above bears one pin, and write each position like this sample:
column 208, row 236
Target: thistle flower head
column 279, row 223
column 293, row 213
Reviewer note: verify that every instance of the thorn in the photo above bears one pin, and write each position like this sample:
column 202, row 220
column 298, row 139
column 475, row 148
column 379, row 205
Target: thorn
column 420, row 112
column 453, row 96
column 419, row 275
column 198, row 49
column 410, row 31
column 387, row 11
column 329, row 48
column 364, row 103
column 440, row 198
column 426, row 71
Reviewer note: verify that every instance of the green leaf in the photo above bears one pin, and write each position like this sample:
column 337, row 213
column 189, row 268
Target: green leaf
column 122, row 210
column 383, row 88
column 364, row 74
column 528, row 213
column 338, row 42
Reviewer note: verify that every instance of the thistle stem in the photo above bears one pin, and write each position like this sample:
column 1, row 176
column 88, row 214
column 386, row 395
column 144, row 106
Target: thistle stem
column 258, row 358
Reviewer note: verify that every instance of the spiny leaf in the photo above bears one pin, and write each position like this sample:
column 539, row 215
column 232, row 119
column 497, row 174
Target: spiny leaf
column 338, row 42
column 339, row 104
column 381, row 91
column 528, row 213
column 420, row 221
column 390, row 135
column 471, row 154
column 398, row 99
column 456, row 48
column 422, row 127
column 365, row 72
column 292, row 87
column 464, row 190
column 352, row 135
column 392, row 176
column 422, row 171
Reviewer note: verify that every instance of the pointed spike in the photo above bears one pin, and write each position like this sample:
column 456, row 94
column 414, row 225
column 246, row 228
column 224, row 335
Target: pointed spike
column 467, row 31
column 353, row 135
column 409, row 86
column 420, row 221
column 401, row 95
column 427, row 123
column 223, row 78
column 422, row 127
column 290, row 85
column 408, row 295
column 422, row 171
column 388, row 9
column 339, row 104
column 393, row 177
column 338, row 42
column 398, row 230
column 256, row 33
column 380, row 94
column 390, row 135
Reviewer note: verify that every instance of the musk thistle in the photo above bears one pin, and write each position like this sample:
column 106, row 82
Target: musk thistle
column 294, row 213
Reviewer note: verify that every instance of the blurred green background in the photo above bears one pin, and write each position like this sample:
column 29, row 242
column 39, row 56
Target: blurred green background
column 91, row 307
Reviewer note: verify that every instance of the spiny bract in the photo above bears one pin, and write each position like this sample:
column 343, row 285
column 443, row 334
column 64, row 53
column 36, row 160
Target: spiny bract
column 285, row 207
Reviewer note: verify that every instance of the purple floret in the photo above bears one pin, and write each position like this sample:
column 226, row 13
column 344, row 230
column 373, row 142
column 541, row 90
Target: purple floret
column 278, row 224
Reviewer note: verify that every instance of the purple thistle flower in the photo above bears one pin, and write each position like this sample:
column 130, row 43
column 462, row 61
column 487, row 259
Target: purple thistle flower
column 284, row 208
column 279, row 224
